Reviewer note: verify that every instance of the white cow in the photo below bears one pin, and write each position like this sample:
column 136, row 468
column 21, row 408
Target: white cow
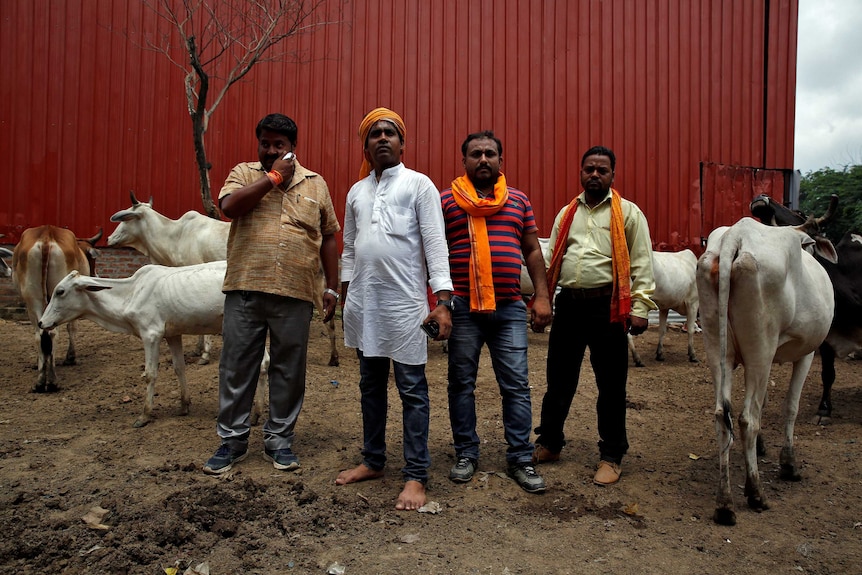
column 192, row 239
column 763, row 300
column 527, row 288
column 5, row 270
column 156, row 303
column 675, row 289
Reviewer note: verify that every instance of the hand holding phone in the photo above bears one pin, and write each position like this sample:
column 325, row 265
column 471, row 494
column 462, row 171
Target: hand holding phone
column 432, row 329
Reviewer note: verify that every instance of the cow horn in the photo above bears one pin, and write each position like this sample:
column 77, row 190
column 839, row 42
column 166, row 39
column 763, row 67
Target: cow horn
column 92, row 241
column 833, row 203
column 135, row 201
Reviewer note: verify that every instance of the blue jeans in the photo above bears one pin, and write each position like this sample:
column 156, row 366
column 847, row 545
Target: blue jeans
column 416, row 409
column 505, row 333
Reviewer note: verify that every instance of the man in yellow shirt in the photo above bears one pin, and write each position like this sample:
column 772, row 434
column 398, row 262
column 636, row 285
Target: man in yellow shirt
column 600, row 255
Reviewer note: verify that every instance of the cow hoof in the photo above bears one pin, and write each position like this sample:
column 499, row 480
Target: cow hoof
column 659, row 357
column 640, row 364
column 789, row 473
column 203, row 361
column 724, row 516
column 140, row 422
column 333, row 362
column 69, row 361
column 757, row 503
column 693, row 359
column 821, row 420
column 45, row 388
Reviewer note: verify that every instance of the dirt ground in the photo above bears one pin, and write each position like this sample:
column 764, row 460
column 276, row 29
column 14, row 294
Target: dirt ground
column 64, row 454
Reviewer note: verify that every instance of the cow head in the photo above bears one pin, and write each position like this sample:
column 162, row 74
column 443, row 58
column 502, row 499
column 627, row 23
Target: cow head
column 773, row 213
column 128, row 232
column 69, row 300
column 88, row 246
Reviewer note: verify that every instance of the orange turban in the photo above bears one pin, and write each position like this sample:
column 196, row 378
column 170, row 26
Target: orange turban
column 369, row 120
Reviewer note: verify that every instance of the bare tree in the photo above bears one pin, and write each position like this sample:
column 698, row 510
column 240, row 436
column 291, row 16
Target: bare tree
column 223, row 40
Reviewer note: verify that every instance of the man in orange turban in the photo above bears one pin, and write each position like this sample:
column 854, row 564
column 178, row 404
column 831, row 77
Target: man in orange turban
column 394, row 248
column 370, row 120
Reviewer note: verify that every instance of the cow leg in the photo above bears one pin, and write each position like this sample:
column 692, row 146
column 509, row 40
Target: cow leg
column 827, row 375
column 151, row 370
column 662, row 330
column 635, row 357
column 724, row 513
column 47, row 379
column 789, row 472
column 175, row 344
column 756, row 381
column 333, row 350
column 260, row 408
column 204, row 349
column 71, row 356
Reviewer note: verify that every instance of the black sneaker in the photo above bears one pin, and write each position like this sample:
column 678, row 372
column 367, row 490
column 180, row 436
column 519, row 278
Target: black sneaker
column 463, row 471
column 525, row 475
column 223, row 460
column 282, row 459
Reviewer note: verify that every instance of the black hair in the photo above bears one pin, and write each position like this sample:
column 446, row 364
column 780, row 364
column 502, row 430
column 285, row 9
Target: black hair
column 600, row 151
column 277, row 123
column 485, row 134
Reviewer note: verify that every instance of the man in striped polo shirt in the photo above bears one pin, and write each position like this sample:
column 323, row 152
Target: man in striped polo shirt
column 488, row 227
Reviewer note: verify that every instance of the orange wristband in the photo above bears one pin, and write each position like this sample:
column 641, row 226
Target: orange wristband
column 275, row 177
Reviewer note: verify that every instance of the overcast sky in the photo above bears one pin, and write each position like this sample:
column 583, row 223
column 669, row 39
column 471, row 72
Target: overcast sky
column 829, row 85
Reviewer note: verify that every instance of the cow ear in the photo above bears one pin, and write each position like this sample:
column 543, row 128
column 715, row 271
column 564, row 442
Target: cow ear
column 825, row 249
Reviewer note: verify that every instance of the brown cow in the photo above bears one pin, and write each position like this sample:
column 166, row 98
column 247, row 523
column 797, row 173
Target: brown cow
column 43, row 257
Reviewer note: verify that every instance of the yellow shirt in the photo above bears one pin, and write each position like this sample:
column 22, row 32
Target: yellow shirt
column 587, row 261
column 275, row 248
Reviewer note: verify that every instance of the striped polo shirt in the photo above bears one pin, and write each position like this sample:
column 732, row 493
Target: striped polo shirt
column 505, row 229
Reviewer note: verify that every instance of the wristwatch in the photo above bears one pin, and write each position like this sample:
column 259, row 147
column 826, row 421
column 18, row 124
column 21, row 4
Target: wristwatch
column 333, row 293
column 448, row 303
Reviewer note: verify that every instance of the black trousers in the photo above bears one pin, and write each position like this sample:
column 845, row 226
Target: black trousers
column 580, row 323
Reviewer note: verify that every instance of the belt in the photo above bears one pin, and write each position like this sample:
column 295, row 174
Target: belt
column 587, row 293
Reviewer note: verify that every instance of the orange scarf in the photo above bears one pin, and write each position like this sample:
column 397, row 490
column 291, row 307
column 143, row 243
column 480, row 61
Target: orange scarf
column 621, row 300
column 482, row 296
column 369, row 120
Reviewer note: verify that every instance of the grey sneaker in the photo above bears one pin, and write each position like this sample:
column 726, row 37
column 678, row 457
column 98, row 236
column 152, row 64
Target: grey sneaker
column 223, row 459
column 525, row 475
column 463, row 471
column 282, row 459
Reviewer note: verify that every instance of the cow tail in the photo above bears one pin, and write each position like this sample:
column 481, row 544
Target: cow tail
column 727, row 255
column 727, row 418
column 46, row 255
column 45, row 341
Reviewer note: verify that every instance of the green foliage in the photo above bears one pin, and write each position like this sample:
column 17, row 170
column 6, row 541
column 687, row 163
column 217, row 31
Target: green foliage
column 816, row 188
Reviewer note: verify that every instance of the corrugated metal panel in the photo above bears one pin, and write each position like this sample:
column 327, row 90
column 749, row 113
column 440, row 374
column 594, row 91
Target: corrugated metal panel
column 728, row 191
column 88, row 115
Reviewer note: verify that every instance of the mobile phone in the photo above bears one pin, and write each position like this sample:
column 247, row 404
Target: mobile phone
column 289, row 156
column 432, row 328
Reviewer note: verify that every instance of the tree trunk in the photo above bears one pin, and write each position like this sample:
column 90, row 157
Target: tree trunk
column 203, row 167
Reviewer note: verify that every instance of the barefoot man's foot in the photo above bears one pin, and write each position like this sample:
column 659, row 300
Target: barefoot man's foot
column 412, row 497
column 359, row 473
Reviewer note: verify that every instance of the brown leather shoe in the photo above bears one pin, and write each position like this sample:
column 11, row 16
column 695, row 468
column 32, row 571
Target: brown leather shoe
column 544, row 455
column 608, row 473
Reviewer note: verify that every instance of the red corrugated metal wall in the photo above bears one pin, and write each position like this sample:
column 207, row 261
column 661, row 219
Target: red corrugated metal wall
column 88, row 115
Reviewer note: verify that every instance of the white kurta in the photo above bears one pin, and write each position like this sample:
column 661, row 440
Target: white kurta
column 394, row 247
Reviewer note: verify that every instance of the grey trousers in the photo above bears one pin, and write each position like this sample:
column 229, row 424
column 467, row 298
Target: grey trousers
column 248, row 317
